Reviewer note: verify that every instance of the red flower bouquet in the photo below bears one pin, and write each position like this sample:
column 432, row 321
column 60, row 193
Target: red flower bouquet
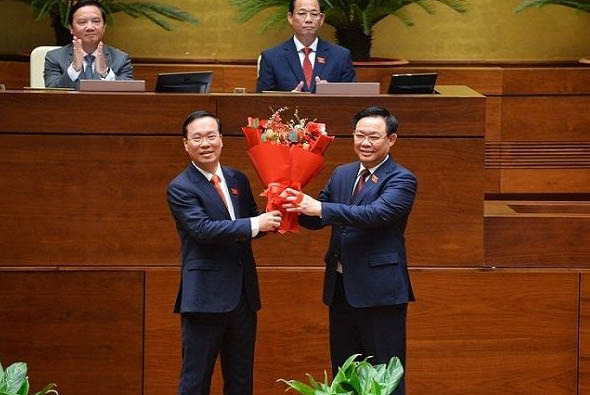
column 285, row 155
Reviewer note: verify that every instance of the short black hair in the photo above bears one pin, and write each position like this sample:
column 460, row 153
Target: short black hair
column 390, row 120
column 292, row 5
column 84, row 3
column 196, row 115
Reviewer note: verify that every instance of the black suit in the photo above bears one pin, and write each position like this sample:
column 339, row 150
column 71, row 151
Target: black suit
column 368, row 301
column 218, row 295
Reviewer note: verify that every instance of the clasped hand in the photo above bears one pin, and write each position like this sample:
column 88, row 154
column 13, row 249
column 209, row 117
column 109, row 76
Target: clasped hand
column 299, row 202
column 269, row 221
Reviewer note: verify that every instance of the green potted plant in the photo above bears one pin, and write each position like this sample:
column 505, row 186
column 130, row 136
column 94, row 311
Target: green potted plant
column 58, row 11
column 354, row 378
column 352, row 20
column 580, row 5
column 14, row 381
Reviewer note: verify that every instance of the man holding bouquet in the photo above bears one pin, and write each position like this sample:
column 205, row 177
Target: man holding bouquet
column 216, row 217
column 366, row 285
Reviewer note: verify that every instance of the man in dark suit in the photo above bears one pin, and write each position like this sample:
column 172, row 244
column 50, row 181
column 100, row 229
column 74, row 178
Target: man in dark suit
column 216, row 217
column 86, row 57
column 305, row 60
column 366, row 282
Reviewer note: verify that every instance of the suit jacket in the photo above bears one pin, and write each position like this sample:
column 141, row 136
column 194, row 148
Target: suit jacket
column 367, row 234
column 217, row 259
column 58, row 60
column 281, row 70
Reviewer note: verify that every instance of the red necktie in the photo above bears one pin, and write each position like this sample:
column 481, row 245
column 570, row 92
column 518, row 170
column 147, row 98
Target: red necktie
column 216, row 181
column 359, row 184
column 307, row 69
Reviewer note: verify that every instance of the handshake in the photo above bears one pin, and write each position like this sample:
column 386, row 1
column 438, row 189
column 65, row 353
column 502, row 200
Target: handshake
column 296, row 202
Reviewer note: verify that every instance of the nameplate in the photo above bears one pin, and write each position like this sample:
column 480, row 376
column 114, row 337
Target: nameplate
column 348, row 88
column 112, row 86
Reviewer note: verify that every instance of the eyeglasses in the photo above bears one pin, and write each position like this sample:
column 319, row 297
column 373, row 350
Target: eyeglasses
column 359, row 137
column 198, row 140
column 312, row 14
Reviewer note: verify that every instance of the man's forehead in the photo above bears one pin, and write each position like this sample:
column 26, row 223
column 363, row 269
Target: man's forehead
column 87, row 9
column 307, row 4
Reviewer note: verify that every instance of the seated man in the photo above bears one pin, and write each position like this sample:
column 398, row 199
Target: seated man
column 86, row 58
column 301, row 62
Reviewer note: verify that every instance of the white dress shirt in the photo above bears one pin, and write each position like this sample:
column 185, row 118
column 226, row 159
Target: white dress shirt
column 300, row 46
column 73, row 74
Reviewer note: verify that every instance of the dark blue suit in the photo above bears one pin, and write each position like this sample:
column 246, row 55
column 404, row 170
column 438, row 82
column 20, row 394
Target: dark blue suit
column 368, row 301
column 218, row 295
column 280, row 67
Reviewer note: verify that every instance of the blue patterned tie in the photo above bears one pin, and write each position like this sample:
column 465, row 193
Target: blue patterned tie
column 87, row 74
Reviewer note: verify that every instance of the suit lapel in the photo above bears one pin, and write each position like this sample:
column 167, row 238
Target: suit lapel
column 374, row 180
column 322, row 52
column 293, row 59
column 350, row 178
column 212, row 199
column 233, row 189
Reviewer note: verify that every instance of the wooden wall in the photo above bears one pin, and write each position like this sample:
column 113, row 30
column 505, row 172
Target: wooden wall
column 89, row 255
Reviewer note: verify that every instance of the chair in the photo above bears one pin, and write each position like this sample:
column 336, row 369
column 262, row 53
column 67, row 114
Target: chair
column 37, row 64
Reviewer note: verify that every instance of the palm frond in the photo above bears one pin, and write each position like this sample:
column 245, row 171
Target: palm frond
column 247, row 9
column 276, row 20
column 581, row 5
column 153, row 11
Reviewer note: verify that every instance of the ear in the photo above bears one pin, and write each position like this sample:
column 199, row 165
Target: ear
column 185, row 143
column 392, row 139
column 290, row 18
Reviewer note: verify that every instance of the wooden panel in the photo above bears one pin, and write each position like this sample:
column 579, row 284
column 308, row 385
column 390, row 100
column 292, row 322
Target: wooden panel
column 446, row 224
column 496, row 332
column 485, row 80
column 88, row 200
column 545, row 181
column 417, row 115
column 83, row 331
column 100, row 200
column 537, row 234
column 492, row 185
column 14, row 75
column 460, row 113
column 504, row 340
column 292, row 337
column 546, row 81
column 493, row 119
column 584, row 375
column 545, row 118
column 121, row 113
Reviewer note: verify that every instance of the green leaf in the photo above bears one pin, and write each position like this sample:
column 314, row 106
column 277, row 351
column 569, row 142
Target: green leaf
column 24, row 389
column 299, row 386
column 15, row 375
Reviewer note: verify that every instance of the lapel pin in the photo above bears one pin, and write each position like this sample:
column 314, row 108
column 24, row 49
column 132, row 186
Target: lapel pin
column 321, row 59
column 234, row 192
column 374, row 178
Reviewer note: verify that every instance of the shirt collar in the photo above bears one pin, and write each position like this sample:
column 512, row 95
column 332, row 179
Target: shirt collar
column 372, row 169
column 208, row 175
column 299, row 46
